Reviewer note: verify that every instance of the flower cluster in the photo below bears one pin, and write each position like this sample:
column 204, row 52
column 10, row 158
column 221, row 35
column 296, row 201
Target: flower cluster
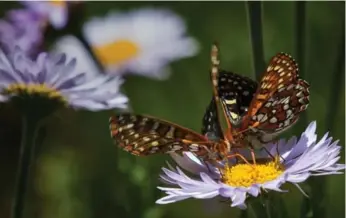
column 84, row 69
column 116, row 41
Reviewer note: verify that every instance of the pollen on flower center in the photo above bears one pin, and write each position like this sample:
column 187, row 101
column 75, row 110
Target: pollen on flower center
column 245, row 175
column 116, row 52
column 34, row 90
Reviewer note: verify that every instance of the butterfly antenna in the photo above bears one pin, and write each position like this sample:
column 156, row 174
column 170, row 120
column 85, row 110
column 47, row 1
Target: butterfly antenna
column 215, row 63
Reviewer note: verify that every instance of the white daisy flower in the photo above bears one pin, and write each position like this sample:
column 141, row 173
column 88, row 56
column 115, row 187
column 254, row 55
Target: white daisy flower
column 73, row 48
column 298, row 161
column 142, row 41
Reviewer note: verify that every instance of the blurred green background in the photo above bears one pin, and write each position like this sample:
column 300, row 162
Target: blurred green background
column 79, row 173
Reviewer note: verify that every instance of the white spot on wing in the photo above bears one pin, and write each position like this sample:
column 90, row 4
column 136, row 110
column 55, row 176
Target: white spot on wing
column 288, row 113
column 273, row 120
column 286, row 106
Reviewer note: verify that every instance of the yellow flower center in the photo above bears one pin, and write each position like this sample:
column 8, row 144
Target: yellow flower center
column 245, row 175
column 57, row 3
column 117, row 52
column 35, row 90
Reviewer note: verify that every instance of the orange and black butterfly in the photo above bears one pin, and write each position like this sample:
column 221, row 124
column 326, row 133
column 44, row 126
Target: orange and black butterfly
column 256, row 113
column 249, row 108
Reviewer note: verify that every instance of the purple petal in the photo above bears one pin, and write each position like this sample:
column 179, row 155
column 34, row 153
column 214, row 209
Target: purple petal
column 171, row 199
column 254, row 190
column 298, row 177
column 238, row 198
column 210, row 194
column 226, row 192
column 205, row 178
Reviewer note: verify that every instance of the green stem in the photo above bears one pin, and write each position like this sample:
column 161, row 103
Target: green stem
column 300, row 21
column 254, row 12
column 267, row 207
column 257, row 207
column 29, row 127
column 252, row 210
column 244, row 213
column 300, row 47
column 318, row 185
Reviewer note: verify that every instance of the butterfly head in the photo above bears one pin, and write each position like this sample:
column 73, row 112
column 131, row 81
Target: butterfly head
column 220, row 150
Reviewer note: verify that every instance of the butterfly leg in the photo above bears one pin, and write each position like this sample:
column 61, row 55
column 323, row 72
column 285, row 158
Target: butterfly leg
column 277, row 151
column 237, row 151
column 277, row 148
column 211, row 154
column 238, row 155
column 253, row 156
column 252, row 152
column 268, row 152
column 196, row 142
column 210, row 159
column 213, row 162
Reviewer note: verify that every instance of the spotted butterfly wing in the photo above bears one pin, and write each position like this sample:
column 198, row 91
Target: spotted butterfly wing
column 143, row 135
column 283, row 109
column 210, row 125
column 236, row 93
column 280, row 97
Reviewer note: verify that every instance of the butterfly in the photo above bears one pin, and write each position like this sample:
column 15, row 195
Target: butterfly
column 238, row 96
column 256, row 112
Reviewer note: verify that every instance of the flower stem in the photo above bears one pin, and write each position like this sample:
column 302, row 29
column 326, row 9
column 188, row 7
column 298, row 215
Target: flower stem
column 29, row 130
column 254, row 13
column 267, row 207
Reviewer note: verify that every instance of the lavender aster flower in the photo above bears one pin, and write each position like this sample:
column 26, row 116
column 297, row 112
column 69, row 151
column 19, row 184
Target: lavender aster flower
column 298, row 161
column 51, row 80
column 22, row 28
column 56, row 12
